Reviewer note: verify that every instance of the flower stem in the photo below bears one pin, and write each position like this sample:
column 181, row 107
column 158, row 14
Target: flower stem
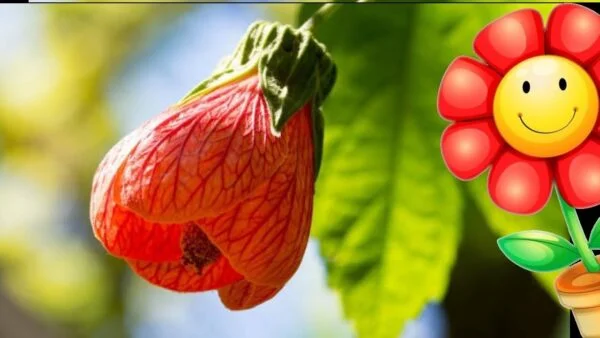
column 321, row 15
column 578, row 236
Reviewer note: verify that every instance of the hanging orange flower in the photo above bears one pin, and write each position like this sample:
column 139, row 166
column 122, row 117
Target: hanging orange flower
column 530, row 111
column 217, row 191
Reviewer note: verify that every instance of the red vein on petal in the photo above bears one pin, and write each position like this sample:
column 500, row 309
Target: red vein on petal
column 177, row 276
column 265, row 236
column 177, row 159
column 208, row 184
column 253, row 166
column 244, row 295
column 121, row 232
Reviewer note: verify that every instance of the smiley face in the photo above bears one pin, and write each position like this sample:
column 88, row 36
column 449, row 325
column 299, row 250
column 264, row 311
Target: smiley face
column 546, row 106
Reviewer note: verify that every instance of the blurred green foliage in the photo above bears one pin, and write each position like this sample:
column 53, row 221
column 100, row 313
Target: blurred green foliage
column 388, row 213
column 54, row 128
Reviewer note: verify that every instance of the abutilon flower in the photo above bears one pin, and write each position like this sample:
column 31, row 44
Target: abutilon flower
column 216, row 192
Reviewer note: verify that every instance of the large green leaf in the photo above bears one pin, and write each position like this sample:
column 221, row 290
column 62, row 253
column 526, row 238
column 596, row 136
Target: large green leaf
column 388, row 214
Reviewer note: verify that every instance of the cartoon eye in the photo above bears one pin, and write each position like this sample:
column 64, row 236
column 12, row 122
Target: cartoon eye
column 562, row 84
column 527, row 87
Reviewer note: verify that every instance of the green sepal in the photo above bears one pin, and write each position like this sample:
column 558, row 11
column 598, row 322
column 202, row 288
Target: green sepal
column 294, row 69
column 594, row 242
column 538, row 251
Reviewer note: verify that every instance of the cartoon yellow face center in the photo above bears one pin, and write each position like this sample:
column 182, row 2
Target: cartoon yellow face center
column 546, row 106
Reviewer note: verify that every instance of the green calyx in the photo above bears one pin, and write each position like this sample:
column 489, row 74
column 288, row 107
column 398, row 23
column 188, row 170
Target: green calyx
column 294, row 69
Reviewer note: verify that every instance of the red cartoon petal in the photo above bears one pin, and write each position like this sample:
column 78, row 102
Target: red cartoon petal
column 468, row 148
column 122, row 232
column 245, row 295
column 520, row 184
column 264, row 237
column 467, row 90
column 180, row 277
column 574, row 32
column 578, row 175
column 511, row 39
column 210, row 155
column 594, row 71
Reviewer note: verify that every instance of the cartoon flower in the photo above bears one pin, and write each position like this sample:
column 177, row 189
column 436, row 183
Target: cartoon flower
column 216, row 192
column 530, row 111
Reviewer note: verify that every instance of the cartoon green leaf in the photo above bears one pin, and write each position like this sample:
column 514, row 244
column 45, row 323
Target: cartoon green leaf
column 594, row 241
column 538, row 251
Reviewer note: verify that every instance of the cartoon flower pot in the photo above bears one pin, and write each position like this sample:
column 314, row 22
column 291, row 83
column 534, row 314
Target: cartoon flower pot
column 530, row 111
column 579, row 290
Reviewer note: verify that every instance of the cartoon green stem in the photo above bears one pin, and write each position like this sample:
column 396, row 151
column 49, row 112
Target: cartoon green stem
column 578, row 236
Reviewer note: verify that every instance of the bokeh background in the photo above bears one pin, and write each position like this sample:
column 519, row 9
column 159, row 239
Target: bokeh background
column 399, row 248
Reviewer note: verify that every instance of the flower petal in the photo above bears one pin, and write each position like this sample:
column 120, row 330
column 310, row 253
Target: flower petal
column 180, row 277
column 200, row 266
column 244, row 295
column 264, row 237
column 578, row 175
column 467, row 90
column 574, row 32
column 121, row 232
column 511, row 39
column 594, row 71
column 210, row 155
column 125, row 234
column 468, row 148
column 520, row 184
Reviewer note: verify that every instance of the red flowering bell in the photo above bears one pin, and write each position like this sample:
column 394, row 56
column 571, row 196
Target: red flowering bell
column 216, row 192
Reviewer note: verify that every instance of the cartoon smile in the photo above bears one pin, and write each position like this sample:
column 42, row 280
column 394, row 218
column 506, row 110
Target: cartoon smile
column 549, row 132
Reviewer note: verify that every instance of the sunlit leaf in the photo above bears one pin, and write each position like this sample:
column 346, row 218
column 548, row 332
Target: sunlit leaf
column 388, row 221
column 388, row 213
